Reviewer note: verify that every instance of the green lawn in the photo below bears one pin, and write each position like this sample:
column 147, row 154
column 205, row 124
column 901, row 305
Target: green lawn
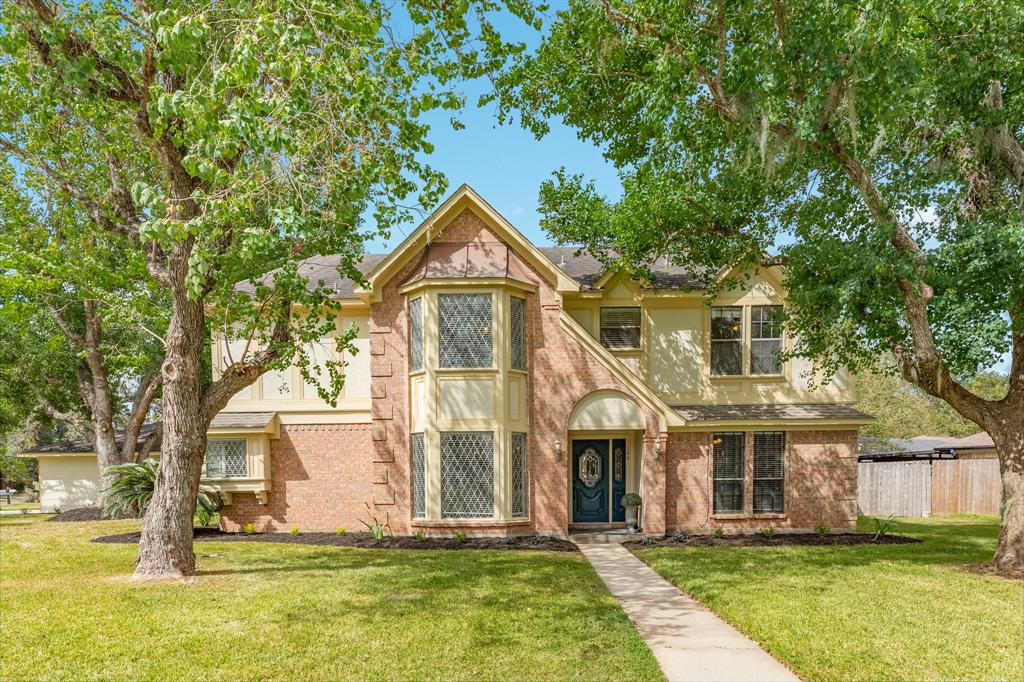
column 869, row 612
column 300, row 612
column 18, row 506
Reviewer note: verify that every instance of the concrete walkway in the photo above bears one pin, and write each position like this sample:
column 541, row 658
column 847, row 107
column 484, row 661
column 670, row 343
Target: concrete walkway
column 689, row 641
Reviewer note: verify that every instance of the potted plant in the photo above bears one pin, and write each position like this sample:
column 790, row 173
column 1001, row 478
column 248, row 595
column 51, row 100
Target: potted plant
column 631, row 501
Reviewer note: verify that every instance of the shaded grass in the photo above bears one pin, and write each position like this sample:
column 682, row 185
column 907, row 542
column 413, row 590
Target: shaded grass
column 18, row 506
column 268, row 611
column 867, row 612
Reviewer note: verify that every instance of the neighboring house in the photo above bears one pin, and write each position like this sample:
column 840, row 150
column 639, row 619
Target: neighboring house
column 69, row 476
column 503, row 388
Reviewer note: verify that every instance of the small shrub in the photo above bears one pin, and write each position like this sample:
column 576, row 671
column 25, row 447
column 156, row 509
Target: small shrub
column 536, row 540
column 681, row 536
column 56, row 510
column 883, row 527
column 294, row 530
column 459, row 537
column 648, row 540
column 822, row 530
column 719, row 532
column 376, row 527
column 768, row 533
column 630, row 500
column 510, row 540
column 249, row 529
column 418, row 536
column 340, row 531
column 24, row 511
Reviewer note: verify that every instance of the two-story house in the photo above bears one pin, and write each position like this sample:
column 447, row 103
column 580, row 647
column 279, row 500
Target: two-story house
column 504, row 388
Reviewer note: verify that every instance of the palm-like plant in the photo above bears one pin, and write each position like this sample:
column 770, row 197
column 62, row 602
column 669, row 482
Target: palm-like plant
column 132, row 490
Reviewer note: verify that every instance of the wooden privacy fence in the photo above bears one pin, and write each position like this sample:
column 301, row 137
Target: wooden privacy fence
column 926, row 488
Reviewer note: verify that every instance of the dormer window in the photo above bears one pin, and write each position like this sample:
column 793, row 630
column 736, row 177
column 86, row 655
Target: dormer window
column 465, row 327
column 620, row 328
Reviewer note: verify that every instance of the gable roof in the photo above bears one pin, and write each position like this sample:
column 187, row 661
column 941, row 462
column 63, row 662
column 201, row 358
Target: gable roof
column 464, row 198
column 591, row 273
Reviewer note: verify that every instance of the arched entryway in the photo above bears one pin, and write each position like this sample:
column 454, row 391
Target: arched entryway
column 605, row 441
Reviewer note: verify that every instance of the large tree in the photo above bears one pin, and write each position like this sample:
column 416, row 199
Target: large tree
column 874, row 148
column 226, row 140
column 80, row 324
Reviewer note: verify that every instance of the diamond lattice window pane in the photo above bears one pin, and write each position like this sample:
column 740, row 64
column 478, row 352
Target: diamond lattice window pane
column 518, row 335
column 465, row 330
column 416, row 334
column 419, row 497
column 467, row 475
column 520, row 474
column 226, row 458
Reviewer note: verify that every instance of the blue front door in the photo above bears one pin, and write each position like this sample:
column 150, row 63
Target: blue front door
column 590, row 492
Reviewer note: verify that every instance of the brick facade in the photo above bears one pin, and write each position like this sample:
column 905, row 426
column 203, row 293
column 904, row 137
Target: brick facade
column 322, row 475
column 820, row 483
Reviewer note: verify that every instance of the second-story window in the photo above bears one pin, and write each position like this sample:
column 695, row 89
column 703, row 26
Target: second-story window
column 726, row 340
column 620, row 328
column 517, row 329
column 465, row 325
column 765, row 339
column 416, row 334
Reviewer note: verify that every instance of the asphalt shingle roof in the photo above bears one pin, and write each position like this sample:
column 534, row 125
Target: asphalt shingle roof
column 768, row 412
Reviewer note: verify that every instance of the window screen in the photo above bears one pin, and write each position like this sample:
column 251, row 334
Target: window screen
column 726, row 340
column 226, row 458
column 520, row 474
column 517, row 323
column 419, row 479
column 769, row 449
column 467, row 475
column 728, row 471
column 620, row 327
column 765, row 339
column 416, row 334
column 465, row 328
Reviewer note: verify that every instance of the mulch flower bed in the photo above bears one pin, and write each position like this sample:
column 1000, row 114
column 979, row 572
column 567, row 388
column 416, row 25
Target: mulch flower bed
column 366, row 540
column 778, row 540
column 86, row 514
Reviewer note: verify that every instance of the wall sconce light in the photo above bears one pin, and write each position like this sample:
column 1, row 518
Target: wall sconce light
column 558, row 450
column 657, row 449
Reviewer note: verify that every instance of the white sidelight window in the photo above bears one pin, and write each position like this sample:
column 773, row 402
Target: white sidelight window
column 520, row 475
column 769, row 453
column 517, row 336
column 465, row 324
column 726, row 340
column 620, row 328
column 467, row 474
column 728, row 471
column 416, row 334
column 419, row 483
column 226, row 458
column 765, row 339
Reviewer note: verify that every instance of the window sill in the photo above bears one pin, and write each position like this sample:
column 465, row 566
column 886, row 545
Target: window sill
column 466, row 370
column 742, row 516
column 761, row 378
column 469, row 523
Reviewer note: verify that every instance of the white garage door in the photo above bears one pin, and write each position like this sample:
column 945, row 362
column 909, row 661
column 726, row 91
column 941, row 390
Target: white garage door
column 68, row 482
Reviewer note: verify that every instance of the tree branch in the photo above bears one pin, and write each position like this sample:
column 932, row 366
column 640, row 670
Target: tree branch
column 145, row 393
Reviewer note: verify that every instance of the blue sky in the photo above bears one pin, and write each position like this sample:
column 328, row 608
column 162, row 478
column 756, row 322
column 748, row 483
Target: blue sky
column 506, row 164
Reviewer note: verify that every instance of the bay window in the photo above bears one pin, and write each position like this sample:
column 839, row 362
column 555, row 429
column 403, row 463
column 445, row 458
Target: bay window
column 467, row 474
column 465, row 324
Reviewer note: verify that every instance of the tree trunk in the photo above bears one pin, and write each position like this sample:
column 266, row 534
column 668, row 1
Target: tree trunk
column 1009, row 440
column 165, row 549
